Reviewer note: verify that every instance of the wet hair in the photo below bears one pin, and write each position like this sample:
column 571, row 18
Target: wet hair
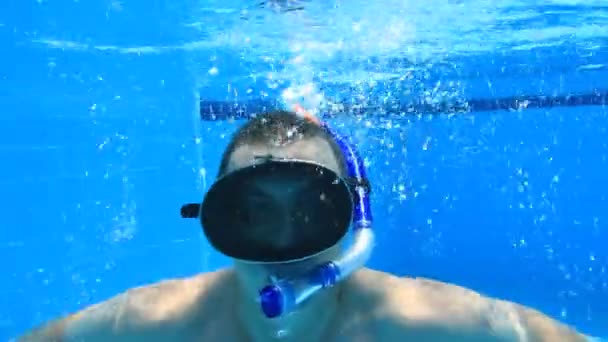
column 279, row 127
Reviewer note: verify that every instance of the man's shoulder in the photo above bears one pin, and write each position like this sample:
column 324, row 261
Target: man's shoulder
column 421, row 307
column 139, row 311
column 168, row 300
column 413, row 288
column 424, row 299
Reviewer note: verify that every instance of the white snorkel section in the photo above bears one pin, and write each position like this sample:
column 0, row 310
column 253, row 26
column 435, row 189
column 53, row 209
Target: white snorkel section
column 284, row 295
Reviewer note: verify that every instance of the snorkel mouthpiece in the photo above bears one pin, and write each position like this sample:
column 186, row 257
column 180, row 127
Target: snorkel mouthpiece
column 285, row 295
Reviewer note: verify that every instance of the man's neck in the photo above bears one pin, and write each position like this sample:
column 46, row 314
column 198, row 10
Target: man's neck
column 309, row 322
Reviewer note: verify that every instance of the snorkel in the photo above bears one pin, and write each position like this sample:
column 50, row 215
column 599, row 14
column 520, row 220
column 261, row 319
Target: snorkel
column 285, row 295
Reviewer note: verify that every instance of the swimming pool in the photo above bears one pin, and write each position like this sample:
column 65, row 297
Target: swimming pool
column 483, row 123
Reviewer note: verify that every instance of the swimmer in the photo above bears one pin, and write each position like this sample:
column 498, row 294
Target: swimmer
column 291, row 207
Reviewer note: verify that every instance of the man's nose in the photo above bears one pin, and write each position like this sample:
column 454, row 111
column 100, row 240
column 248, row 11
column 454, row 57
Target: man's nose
column 285, row 233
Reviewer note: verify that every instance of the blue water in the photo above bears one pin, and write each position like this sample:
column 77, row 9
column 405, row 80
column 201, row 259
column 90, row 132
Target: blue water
column 477, row 179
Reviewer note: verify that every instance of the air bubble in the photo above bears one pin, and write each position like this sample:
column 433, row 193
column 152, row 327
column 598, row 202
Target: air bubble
column 426, row 144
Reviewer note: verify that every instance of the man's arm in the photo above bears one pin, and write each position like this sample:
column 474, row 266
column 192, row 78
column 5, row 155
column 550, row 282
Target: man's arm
column 456, row 309
column 541, row 328
column 146, row 313
column 95, row 323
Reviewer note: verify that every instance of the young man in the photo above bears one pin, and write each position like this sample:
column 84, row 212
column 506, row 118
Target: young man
column 287, row 191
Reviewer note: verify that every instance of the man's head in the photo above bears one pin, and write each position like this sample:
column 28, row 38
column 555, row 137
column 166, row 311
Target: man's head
column 279, row 198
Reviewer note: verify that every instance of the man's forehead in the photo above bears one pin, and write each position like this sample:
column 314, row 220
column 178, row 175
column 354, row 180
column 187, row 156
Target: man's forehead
column 314, row 150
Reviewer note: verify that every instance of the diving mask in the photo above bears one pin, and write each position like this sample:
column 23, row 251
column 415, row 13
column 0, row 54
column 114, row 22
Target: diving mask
column 277, row 210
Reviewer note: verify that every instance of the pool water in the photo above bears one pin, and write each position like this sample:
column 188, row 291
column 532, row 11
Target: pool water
column 483, row 125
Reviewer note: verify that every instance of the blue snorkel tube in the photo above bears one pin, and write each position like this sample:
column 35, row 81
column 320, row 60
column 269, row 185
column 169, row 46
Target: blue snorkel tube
column 285, row 295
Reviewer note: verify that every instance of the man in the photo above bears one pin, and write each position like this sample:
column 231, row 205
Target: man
column 281, row 208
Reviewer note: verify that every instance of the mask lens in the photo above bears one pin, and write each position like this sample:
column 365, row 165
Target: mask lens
column 277, row 211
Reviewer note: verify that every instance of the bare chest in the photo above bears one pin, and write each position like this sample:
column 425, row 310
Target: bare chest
column 355, row 326
column 232, row 333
